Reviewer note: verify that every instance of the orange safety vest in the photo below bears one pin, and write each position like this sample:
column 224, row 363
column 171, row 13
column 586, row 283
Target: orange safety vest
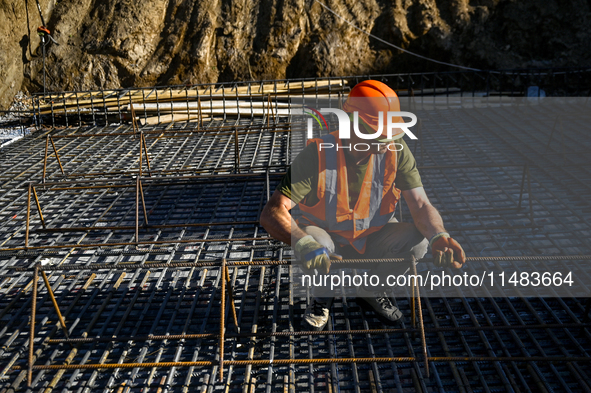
column 377, row 198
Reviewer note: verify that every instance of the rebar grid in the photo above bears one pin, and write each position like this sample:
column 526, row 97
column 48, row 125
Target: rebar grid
column 484, row 344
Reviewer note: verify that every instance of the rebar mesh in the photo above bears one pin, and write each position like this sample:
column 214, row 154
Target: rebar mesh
column 207, row 183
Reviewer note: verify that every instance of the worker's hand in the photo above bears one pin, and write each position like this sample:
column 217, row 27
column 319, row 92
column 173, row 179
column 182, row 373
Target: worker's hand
column 313, row 255
column 447, row 252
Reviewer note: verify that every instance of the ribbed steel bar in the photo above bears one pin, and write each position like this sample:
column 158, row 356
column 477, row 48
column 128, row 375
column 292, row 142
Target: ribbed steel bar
column 28, row 217
column 287, row 262
column 185, row 169
column 125, row 182
column 323, row 333
column 57, row 156
column 55, row 305
column 222, row 318
column 32, row 326
column 417, row 294
column 45, row 158
column 231, row 297
column 255, row 362
column 38, row 207
column 252, row 129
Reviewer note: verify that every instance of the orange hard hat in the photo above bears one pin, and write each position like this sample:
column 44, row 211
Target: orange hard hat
column 371, row 97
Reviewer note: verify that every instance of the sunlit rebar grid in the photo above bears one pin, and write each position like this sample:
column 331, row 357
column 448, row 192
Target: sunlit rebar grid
column 199, row 200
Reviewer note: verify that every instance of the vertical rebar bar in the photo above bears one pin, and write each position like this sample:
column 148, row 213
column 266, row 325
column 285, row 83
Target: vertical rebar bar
column 32, row 325
column 43, row 54
column 143, row 203
column 137, row 211
column 236, row 151
column 200, row 124
column 141, row 155
column 55, row 305
column 171, row 107
column 157, row 105
column 146, row 152
column 222, row 322
column 118, row 107
column 231, row 299
column 268, row 110
column 133, row 120
column 421, row 324
column 105, row 108
column 39, row 207
column 65, row 112
column 45, row 158
column 413, row 316
column 28, row 217
column 78, row 109
column 186, row 89
column 57, row 155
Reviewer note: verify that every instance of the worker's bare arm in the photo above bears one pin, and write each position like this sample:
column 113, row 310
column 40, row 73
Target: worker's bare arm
column 426, row 217
column 277, row 220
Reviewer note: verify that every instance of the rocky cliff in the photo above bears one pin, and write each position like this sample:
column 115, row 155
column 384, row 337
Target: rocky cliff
column 118, row 43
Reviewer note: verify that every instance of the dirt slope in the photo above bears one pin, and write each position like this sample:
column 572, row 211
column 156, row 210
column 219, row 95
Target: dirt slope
column 118, row 43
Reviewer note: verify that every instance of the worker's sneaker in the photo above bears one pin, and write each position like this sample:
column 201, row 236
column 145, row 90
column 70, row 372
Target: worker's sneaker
column 316, row 315
column 381, row 304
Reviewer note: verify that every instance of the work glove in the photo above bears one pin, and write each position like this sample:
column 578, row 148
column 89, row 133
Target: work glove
column 446, row 251
column 313, row 255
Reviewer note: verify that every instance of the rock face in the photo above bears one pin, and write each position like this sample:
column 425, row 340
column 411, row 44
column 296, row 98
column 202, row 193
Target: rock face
column 121, row 43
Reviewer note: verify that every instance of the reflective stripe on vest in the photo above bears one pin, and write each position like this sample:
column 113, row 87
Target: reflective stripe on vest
column 332, row 213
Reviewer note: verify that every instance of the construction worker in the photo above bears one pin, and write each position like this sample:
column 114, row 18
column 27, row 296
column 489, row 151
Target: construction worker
column 342, row 209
